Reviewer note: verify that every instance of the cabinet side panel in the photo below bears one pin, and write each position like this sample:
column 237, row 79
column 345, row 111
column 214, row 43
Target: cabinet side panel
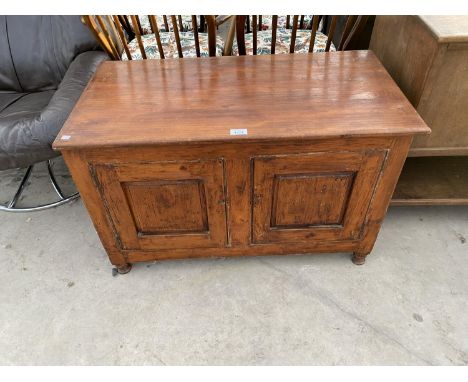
column 383, row 192
column 406, row 49
column 78, row 166
column 444, row 103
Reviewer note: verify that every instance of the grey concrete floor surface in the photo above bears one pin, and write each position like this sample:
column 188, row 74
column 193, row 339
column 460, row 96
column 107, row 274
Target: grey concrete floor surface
column 60, row 304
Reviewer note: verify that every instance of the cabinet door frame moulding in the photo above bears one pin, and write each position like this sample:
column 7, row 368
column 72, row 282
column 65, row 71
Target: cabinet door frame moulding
column 113, row 180
column 364, row 167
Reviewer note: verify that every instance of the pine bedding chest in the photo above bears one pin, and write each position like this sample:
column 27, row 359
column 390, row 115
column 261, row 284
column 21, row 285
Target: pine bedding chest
column 235, row 156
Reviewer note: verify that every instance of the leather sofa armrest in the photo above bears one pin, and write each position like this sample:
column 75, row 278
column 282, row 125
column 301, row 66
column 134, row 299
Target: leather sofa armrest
column 69, row 91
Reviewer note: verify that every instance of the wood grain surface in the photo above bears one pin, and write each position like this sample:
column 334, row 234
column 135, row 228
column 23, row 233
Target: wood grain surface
column 274, row 97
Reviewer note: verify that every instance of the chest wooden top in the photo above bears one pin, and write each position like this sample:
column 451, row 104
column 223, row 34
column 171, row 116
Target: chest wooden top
column 296, row 96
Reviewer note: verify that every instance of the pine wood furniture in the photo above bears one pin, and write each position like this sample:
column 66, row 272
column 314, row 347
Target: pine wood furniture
column 428, row 58
column 234, row 156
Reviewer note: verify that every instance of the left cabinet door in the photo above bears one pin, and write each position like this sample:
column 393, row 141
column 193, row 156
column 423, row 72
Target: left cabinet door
column 164, row 205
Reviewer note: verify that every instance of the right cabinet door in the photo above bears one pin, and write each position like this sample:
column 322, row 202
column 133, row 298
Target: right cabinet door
column 317, row 196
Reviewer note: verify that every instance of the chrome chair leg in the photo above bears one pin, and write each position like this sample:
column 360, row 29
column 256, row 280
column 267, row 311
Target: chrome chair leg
column 11, row 205
column 53, row 181
column 21, row 188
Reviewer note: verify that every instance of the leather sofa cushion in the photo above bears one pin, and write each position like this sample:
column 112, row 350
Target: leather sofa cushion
column 35, row 51
column 21, row 105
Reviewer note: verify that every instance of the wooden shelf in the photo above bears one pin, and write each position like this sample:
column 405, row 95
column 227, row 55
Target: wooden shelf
column 433, row 181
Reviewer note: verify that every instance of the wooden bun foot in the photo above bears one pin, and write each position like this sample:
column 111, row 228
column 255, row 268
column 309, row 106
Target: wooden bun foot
column 359, row 258
column 123, row 269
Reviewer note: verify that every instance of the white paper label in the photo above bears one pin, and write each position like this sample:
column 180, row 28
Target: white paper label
column 238, row 131
column 65, row 137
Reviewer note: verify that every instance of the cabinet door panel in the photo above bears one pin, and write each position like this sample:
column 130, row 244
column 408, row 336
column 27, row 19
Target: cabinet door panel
column 318, row 196
column 327, row 207
column 168, row 206
column 165, row 205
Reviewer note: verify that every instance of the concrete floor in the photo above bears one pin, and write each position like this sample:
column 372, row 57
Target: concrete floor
column 60, row 304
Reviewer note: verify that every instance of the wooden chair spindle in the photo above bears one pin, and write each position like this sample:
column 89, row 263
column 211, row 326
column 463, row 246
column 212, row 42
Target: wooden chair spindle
column 98, row 35
column 347, row 29
column 254, row 35
column 240, row 34
column 293, row 34
column 357, row 29
column 107, row 36
column 177, row 36
column 140, row 28
column 313, row 32
column 274, row 26
column 181, row 24
column 331, row 32
column 117, row 22
column 115, row 34
column 138, row 36
column 211, row 26
column 154, row 27
column 166, row 24
column 195, row 35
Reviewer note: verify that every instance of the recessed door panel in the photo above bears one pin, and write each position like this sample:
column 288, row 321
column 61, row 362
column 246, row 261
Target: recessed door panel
column 168, row 206
column 318, row 196
column 303, row 200
column 165, row 204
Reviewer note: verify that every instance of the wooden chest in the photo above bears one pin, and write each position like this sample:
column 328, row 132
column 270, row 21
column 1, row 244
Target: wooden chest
column 428, row 58
column 237, row 156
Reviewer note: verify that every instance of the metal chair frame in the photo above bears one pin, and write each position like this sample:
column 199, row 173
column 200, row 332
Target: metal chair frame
column 11, row 205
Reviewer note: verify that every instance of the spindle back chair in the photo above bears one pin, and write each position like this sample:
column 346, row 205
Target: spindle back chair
column 311, row 39
column 120, row 36
column 184, row 23
column 284, row 21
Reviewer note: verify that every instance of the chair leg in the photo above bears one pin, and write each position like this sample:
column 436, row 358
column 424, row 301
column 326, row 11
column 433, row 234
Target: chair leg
column 21, row 188
column 11, row 205
column 57, row 188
